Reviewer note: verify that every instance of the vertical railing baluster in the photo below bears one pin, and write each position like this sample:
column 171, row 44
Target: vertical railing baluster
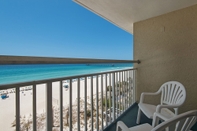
column 116, row 94
column 78, row 104
column 49, row 112
column 92, row 104
column 113, row 95
column 61, row 105
column 102, row 102
column 85, row 104
column 106, row 113
column 110, row 101
column 70, row 105
column 120, row 96
column 17, row 108
column 134, row 85
column 129, row 96
column 126, row 89
column 123, row 90
column 130, row 88
column 97, row 109
column 34, row 108
column 125, row 93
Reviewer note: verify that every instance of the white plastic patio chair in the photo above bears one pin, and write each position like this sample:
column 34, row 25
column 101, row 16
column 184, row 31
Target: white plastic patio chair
column 182, row 122
column 173, row 95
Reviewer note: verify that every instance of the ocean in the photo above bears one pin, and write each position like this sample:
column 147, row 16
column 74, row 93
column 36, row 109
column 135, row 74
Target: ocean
column 24, row 73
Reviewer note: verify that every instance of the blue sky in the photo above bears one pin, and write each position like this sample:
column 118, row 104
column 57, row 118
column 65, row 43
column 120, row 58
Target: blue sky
column 59, row 28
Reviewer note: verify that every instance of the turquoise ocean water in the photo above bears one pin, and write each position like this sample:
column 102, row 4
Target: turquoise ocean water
column 23, row 73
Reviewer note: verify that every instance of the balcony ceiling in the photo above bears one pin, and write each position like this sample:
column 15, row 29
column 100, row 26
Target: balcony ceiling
column 124, row 13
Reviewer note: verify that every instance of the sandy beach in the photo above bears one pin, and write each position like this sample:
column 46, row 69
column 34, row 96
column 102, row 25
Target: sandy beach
column 7, row 106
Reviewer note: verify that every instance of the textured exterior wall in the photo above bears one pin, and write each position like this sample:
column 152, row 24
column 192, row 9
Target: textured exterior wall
column 167, row 48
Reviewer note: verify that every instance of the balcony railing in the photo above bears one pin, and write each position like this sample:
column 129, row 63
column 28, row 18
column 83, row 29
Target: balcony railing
column 85, row 102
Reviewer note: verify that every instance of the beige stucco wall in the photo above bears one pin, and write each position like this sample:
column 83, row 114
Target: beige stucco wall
column 167, row 48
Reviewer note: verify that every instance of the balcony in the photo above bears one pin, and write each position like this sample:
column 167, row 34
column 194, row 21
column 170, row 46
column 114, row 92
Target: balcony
column 85, row 102
column 164, row 39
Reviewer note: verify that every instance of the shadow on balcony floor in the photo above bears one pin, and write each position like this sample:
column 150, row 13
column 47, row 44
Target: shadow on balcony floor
column 130, row 116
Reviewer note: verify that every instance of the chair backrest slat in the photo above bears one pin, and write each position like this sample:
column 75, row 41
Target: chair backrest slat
column 174, row 94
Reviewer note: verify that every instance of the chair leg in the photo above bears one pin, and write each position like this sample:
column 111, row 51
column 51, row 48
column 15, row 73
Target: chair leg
column 138, row 116
column 155, row 121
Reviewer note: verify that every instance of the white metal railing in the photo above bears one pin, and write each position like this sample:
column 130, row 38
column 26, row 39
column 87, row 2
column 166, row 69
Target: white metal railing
column 88, row 102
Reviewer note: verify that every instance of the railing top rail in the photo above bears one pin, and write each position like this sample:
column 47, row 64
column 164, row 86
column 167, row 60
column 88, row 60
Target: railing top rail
column 21, row 84
column 4, row 59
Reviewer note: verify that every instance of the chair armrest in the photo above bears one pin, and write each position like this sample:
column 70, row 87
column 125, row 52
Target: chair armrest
column 148, row 93
column 159, row 107
column 122, row 126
